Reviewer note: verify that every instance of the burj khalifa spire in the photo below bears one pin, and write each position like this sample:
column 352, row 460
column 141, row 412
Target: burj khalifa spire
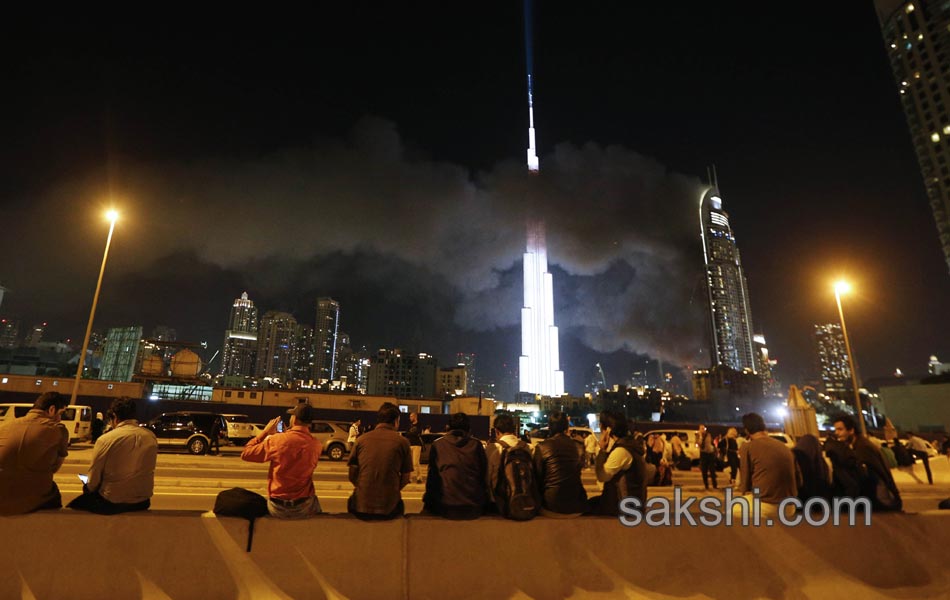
column 533, row 163
column 539, row 369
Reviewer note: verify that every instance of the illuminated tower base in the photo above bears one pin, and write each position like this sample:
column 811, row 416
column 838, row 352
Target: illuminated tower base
column 539, row 361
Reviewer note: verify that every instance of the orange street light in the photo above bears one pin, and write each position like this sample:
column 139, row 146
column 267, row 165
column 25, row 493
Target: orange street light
column 112, row 216
column 843, row 287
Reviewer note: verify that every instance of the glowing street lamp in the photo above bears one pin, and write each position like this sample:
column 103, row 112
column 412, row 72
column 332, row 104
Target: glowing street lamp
column 843, row 287
column 112, row 216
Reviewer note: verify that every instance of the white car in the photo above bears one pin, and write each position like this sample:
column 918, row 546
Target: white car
column 240, row 429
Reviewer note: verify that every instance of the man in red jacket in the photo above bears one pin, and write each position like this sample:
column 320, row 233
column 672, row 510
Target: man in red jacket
column 293, row 457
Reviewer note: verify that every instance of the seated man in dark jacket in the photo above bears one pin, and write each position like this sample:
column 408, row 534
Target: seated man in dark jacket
column 558, row 462
column 455, row 484
column 620, row 465
column 875, row 470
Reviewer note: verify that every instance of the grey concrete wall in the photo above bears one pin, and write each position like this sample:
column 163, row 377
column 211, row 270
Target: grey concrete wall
column 179, row 555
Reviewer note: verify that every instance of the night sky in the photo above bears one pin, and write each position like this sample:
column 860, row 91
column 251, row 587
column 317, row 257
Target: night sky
column 376, row 155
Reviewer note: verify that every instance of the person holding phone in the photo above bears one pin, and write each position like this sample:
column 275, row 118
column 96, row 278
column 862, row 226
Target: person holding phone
column 293, row 456
column 122, row 474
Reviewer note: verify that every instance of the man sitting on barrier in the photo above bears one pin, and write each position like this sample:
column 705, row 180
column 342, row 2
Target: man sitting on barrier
column 620, row 465
column 122, row 474
column 380, row 466
column 293, row 456
column 455, row 484
column 767, row 465
column 32, row 449
column 876, row 482
column 558, row 462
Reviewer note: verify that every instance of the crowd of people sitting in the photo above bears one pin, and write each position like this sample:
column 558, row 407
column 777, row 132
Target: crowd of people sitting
column 464, row 478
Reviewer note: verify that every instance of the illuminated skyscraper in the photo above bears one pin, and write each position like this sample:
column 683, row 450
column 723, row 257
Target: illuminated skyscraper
column 275, row 346
column 917, row 40
column 834, row 370
column 539, row 371
column 730, row 317
column 538, row 365
column 240, row 339
column 325, row 340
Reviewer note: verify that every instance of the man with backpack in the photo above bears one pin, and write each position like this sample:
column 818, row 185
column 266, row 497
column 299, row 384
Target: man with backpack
column 455, row 484
column 512, row 485
column 558, row 462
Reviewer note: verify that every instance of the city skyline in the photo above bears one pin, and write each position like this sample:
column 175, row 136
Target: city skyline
column 355, row 188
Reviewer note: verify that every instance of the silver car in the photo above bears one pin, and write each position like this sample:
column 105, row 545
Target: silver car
column 333, row 436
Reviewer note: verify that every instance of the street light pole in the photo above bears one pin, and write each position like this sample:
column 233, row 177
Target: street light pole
column 840, row 288
column 112, row 216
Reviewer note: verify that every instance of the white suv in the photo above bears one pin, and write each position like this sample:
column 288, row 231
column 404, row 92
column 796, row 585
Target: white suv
column 240, row 429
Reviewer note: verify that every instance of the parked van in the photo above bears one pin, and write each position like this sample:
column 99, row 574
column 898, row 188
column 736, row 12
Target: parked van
column 76, row 418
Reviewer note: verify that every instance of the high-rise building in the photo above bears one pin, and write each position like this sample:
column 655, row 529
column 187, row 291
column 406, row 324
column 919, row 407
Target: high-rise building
column 730, row 316
column 303, row 353
column 351, row 364
column 276, row 341
column 120, row 353
column 834, row 371
column 3, row 290
column 9, row 333
column 35, row 337
column 764, row 363
column 539, row 368
column 467, row 359
column 240, row 339
column 452, row 381
column 325, row 352
column 402, row 375
column 917, row 40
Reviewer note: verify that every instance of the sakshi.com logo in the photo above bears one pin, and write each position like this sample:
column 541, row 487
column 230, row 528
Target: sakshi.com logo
column 742, row 510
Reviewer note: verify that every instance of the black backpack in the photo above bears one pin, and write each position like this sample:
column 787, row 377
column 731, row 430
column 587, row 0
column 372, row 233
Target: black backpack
column 239, row 502
column 517, row 491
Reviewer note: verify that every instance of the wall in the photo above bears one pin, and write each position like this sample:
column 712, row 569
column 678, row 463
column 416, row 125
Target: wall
column 921, row 408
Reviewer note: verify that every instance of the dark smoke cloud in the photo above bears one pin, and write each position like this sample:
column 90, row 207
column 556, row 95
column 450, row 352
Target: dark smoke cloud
column 370, row 212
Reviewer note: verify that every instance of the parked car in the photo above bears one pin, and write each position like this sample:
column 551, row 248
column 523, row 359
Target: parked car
column 187, row 429
column 333, row 436
column 239, row 429
column 76, row 418
column 427, row 439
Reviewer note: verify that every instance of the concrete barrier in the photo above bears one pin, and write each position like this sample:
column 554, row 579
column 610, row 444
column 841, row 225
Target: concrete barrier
column 180, row 555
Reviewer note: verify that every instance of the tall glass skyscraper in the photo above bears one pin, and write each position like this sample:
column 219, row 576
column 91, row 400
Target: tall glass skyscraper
column 538, row 365
column 276, row 346
column 917, row 40
column 325, row 340
column 730, row 317
column 834, row 370
column 240, row 339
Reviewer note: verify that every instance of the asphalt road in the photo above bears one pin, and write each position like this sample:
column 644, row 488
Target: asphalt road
column 183, row 481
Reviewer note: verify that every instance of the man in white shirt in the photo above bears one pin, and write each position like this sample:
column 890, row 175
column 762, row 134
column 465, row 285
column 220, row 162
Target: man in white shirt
column 354, row 433
column 620, row 466
column 122, row 474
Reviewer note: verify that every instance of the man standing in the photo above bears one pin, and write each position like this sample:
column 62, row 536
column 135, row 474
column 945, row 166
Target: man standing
column 888, row 497
column 455, row 485
column 707, row 456
column 122, row 474
column 293, row 456
column 766, row 465
column 354, row 433
column 558, row 462
column 32, row 449
column 380, row 466
column 414, row 435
